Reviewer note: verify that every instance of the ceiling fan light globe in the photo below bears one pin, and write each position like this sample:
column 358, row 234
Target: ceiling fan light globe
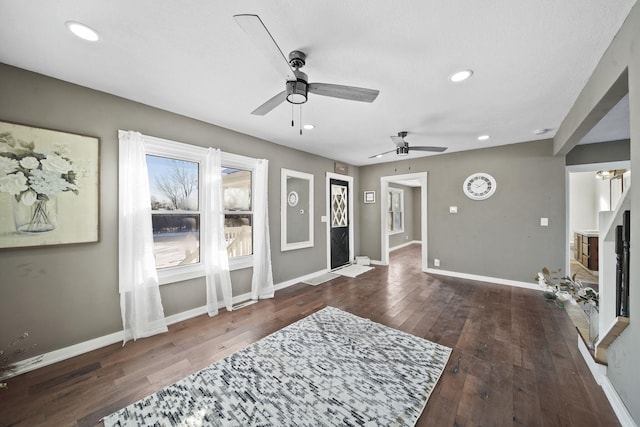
column 296, row 98
column 297, row 92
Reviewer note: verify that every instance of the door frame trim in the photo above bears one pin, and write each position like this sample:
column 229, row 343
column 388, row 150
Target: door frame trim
column 349, row 180
column 384, row 207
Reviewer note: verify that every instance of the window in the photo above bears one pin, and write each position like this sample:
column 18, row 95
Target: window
column 237, row 188
column 238, row 214
column 177, row 189
column 175, row 214
column 395, row 216
column 175, row 182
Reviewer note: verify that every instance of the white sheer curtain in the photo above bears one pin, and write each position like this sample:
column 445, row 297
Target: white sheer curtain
column 140, row 304
column 262, row 280
column 216, row 259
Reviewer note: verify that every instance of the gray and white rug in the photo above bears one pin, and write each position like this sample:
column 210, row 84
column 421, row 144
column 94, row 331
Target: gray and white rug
column 329, row 369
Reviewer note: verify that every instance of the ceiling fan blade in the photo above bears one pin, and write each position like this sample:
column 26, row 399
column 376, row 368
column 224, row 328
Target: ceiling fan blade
column 270, row 104
column 344, row 92
column 381, row 154
column 434, row 149
column 264, row 41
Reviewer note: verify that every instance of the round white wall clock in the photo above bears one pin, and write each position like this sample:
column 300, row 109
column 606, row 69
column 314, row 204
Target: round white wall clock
column 479, row 186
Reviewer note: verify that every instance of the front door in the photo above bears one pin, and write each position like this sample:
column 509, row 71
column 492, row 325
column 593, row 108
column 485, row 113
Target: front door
column 339, row 202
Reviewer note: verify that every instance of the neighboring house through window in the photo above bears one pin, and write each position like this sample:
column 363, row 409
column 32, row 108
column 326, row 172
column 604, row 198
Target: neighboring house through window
column 237, row 188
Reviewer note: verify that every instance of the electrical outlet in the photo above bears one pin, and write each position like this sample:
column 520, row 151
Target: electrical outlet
column 436, row 262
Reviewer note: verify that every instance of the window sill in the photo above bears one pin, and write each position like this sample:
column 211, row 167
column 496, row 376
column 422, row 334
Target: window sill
column 180, row 274
column 240, row 263
column 391, row 233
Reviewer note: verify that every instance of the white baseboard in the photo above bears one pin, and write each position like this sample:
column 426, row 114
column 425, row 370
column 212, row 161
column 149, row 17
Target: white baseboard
column 59, row 355
column 497, row 280
column 617, row 404
column 404, row 245
column 291, row 282
column 599, row 373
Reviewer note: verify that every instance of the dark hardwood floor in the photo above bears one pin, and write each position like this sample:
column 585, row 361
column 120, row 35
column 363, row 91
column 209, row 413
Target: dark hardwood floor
column 515, row 360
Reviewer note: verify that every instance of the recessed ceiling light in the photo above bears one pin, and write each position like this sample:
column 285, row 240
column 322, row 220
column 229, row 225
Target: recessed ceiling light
column 460, row 76
column 309, row 126
column 82, row 31
column 483, row 137
column 540, row 131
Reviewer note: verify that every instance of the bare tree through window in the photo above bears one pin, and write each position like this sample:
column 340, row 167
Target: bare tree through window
column 177, row 184
column 175, row 213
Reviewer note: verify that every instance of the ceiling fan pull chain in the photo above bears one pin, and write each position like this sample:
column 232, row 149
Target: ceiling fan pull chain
column 292, row 124
column 300, row 121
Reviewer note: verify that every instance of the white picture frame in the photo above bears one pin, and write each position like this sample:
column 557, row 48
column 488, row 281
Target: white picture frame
column 369, row 196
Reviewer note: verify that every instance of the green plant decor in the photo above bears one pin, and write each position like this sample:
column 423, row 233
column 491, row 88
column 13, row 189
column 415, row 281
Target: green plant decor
column 562, row 289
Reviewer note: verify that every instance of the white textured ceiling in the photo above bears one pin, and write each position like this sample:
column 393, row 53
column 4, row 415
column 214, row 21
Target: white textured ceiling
column 530, row 59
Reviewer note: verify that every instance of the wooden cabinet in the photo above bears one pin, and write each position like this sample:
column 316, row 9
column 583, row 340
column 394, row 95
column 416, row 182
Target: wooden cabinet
column 587, row 250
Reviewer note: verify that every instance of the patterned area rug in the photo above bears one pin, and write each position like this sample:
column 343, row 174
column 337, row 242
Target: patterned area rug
column 329, row 369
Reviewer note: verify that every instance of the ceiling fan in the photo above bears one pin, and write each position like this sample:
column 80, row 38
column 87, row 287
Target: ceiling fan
column 402, row 146
column 297, row 85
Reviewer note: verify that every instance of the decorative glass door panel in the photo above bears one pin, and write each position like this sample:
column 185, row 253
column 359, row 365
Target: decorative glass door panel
column 339, row 201
column 339, row 206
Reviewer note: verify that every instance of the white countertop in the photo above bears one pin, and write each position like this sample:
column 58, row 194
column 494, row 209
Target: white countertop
column 588, row 233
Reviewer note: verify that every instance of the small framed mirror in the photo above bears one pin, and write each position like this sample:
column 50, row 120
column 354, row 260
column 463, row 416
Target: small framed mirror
column 296, row 210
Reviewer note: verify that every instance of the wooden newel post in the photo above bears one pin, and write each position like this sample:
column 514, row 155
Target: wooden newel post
column 626, row 237
column 619, row 286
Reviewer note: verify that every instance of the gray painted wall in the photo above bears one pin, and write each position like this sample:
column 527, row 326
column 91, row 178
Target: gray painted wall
column 617, row 73
column 69, row 294
column 500, row 237
column 612, row 151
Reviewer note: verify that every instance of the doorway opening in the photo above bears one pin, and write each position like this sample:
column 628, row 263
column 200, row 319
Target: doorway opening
column 395, row 191
column 589, row 192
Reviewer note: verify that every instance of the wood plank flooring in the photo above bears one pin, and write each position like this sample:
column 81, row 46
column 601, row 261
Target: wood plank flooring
column 515, row 360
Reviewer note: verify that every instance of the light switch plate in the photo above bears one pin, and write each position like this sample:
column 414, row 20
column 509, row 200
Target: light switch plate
column 453, row 209
column 544, row 222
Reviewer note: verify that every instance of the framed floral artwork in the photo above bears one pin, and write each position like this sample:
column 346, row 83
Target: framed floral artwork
column 49, row 187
